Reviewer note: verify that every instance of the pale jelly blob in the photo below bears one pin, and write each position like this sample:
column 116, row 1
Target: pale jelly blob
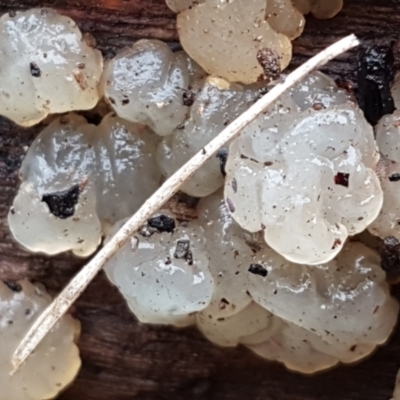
column 55, row 362
column 46, row 66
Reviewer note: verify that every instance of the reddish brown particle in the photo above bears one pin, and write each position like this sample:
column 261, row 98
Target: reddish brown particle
column 318, row 106
column 342, row 178
column 80, row 78
column 336, row 243
column 269, row 61
column 346, row 85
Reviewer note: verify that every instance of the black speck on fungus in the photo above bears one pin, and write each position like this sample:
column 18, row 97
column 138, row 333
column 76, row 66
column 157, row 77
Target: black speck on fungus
column 394, row 177
column 258, row 269
column 12, row 285
column 234, row 185
column 188, row 97
column 182, row 249
column 336, row 243
column 35, row 70
column 223, row 157
column 62, row 204
column 162, row 223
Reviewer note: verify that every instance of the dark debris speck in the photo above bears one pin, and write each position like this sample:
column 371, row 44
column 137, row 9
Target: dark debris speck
column 394, row 177
column 375, row 75
column 12, row 285
column 162, row 223
column 182, row 248
column 342, row 178
column 234, row 185
column 188, row 97
column 35, row 70
column 231, row 206
column 182, row 251
column 390, row 256
column 258, row 269
column 270, row 63
column 62, row 204
column 223, row 157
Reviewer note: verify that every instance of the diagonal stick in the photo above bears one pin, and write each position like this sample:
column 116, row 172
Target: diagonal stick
column 78, row 284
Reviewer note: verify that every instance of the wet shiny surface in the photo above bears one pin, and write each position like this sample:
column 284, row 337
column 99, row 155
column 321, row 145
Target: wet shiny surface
column 56, row 361
column 112, row 164
column 42, row 55
column 288, row 168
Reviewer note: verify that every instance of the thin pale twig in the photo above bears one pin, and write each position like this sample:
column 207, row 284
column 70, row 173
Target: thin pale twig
column 69, row 295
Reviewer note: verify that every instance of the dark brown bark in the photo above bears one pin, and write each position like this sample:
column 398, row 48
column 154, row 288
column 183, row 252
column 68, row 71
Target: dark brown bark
column 125, row 360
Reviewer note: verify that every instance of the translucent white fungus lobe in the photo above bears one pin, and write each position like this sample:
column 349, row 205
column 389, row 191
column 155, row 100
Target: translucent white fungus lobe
column 45, row 66
column 146, row 83
column 230, row 331
column 322, row 9
column 388, row 136
column 317, row 316
column 229, row 39
column 55, row 362
column 55, row 208
column 230, row 255
column 181, row 5
column 163, row 271
column 216, row 105
column 346, row 302
column 295, row 347
column 79, row 178
column 284, row 18
column 388, row 139
column 319, row 91
column 304, row 173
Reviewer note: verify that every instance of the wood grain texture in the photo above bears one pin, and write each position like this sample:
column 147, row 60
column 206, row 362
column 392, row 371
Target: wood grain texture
column 125, row 360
